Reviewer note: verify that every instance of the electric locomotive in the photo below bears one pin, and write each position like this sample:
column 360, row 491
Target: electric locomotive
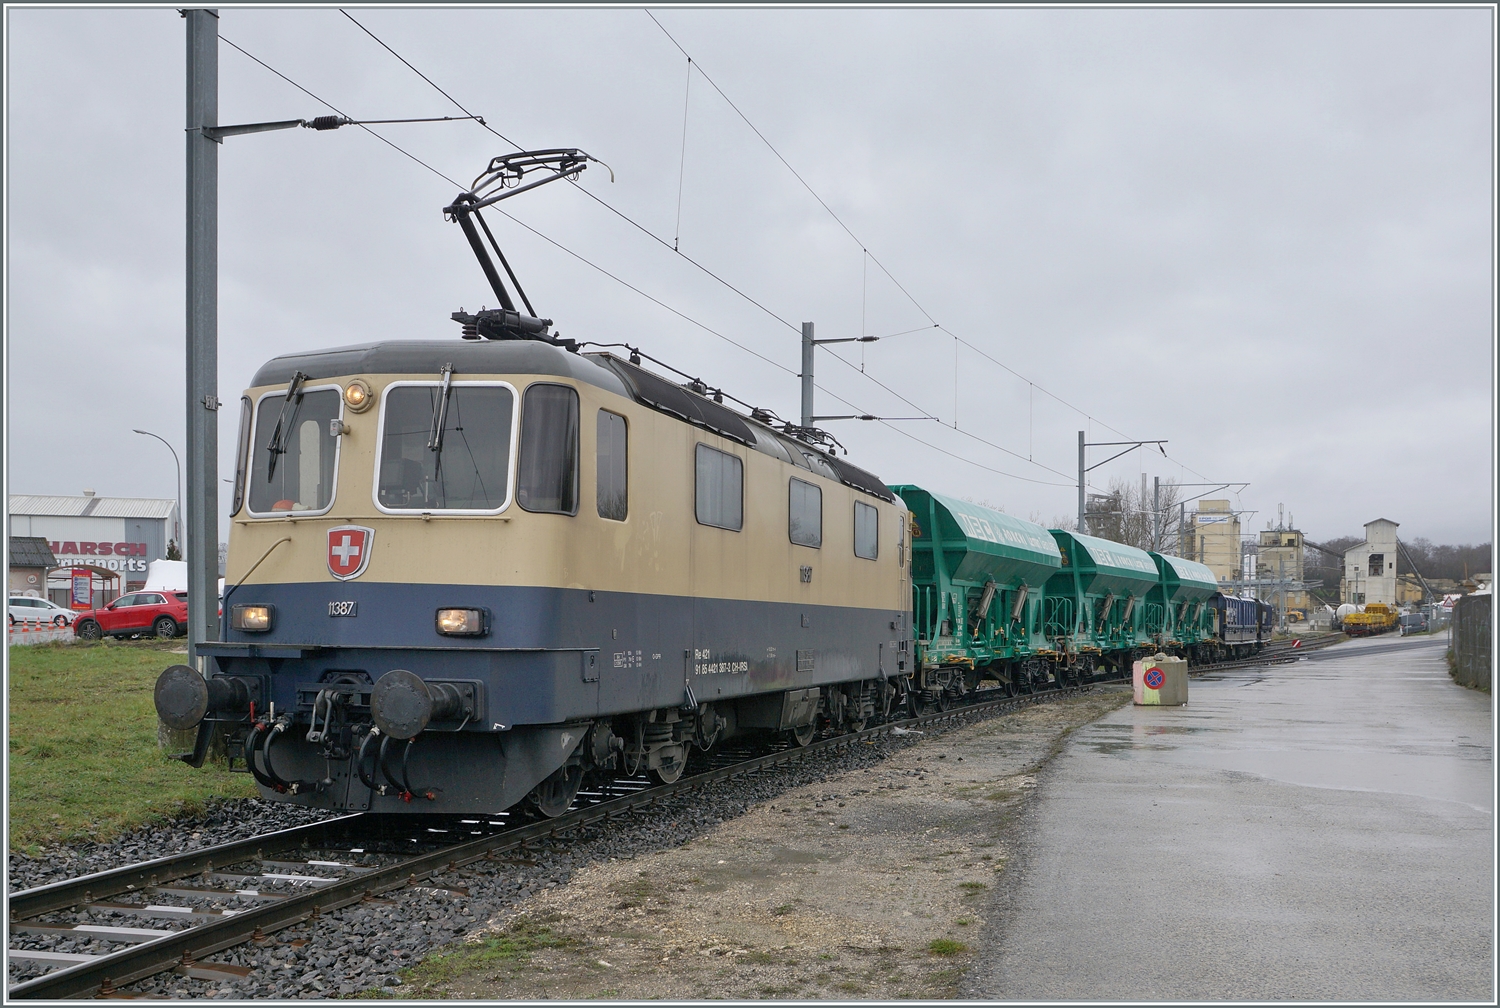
column 466, row 575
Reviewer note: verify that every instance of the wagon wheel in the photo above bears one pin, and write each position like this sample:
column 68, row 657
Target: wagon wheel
column 670, row 769
column 803, row 736
column 554, row 796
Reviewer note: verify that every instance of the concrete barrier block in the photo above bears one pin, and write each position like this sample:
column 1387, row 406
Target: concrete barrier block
column 1160, row 681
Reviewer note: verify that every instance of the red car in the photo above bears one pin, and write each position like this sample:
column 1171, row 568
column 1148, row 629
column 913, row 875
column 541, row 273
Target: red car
column 164, row 614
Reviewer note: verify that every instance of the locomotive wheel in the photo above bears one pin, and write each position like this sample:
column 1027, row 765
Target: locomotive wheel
column 803, row 736
column 554, row 796
column 670, row 769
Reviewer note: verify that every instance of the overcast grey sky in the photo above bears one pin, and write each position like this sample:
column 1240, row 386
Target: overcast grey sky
column 1264, row 235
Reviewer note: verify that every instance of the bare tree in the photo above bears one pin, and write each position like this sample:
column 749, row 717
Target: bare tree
column 1125, row 515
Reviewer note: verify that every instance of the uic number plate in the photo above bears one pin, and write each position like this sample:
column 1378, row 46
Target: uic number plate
column 343, row 608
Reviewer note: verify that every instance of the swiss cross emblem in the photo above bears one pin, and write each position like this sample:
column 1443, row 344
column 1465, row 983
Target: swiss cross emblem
column 349, row 550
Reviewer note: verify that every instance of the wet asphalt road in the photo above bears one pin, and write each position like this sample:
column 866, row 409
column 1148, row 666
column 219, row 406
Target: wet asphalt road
column 1319, row 830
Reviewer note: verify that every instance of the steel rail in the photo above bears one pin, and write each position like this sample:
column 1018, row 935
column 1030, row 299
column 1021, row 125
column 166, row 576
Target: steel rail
column 117, row 881
column 105, row 973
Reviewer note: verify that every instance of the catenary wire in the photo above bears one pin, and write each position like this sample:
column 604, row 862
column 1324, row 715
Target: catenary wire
column 674, row 248
column 654, row 300
column 593, row 196
column 863, row 248
column 523, row 224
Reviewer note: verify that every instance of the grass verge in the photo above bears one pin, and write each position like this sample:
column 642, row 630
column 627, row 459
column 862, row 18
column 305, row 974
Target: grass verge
column 494, row 955
column 84, row 763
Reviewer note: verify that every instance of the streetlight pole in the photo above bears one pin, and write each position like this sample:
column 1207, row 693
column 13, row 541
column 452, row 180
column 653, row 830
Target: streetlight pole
column 177, row 532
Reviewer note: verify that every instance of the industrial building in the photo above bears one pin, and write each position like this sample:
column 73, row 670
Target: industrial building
column 1215, row 539
column 114, row 538
column 1370, row 566
column 1279, row 559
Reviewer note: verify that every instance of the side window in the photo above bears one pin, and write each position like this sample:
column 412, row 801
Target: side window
column 719, row 487
column 126, row 600
column 805, row 514
column 866, row 531
column 613, row 487
column 242, row 456
column 549, row 450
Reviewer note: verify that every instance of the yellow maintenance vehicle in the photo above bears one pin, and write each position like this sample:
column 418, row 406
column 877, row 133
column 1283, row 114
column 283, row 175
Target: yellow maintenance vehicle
column 1376, row 619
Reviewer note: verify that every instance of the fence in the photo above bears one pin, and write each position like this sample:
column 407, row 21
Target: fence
column 1470, row 634
column 37, row 632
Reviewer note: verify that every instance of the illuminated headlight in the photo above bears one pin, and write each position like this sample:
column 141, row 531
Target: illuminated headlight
column 462, row 622
column 251, row 617
column 358, row 396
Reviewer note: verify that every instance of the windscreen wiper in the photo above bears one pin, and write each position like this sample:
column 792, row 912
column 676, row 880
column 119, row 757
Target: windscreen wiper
column 277, row 445
column 440, row 412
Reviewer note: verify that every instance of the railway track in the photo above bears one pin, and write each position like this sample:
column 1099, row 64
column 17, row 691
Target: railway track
column 245, row 890
column 229, row 894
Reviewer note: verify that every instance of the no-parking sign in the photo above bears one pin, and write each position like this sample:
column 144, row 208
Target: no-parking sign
column 1154, row 677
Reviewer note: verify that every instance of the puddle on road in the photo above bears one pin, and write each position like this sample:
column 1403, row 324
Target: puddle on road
column 1139, row 738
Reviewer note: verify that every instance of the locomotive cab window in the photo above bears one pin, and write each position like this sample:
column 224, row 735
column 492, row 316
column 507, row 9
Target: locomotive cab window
column 445, row 452
column 866, row 531
column 242, row 454
column 294, row 457
column 719, row 486
column 548, row 477
column 805, row 514
column 613, row 487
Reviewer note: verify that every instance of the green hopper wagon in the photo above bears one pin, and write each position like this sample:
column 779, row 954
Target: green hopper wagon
column 1095, row 603
column 1178, row 616
column 977, row 576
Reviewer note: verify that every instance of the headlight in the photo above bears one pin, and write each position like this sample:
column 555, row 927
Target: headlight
column 463, row 622
column 358, row 396
column 251, row 617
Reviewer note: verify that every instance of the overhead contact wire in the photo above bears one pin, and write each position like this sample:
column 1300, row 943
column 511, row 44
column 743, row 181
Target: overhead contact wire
column 597, row 199
column 528, row 227
column 341, row 112
column 865, row 249
column 656, row 301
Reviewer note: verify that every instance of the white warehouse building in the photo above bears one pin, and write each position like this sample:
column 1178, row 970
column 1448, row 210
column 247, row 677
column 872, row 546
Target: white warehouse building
column 1370, row 566
column 116, row 537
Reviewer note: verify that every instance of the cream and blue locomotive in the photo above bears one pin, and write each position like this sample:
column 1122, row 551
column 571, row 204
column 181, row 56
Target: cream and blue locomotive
column 465, row 574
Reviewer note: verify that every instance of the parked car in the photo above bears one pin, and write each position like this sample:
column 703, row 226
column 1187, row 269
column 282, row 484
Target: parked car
column 24, row 608
column 1412, row 623
column 161, row 613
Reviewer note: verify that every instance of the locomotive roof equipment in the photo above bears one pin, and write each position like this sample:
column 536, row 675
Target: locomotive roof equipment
column 500, row 181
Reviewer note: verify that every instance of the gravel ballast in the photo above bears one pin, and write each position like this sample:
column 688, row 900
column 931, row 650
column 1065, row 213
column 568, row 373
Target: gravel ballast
column 371, row 946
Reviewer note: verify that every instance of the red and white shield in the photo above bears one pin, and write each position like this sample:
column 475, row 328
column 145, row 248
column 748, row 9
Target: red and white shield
column 349, row 550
